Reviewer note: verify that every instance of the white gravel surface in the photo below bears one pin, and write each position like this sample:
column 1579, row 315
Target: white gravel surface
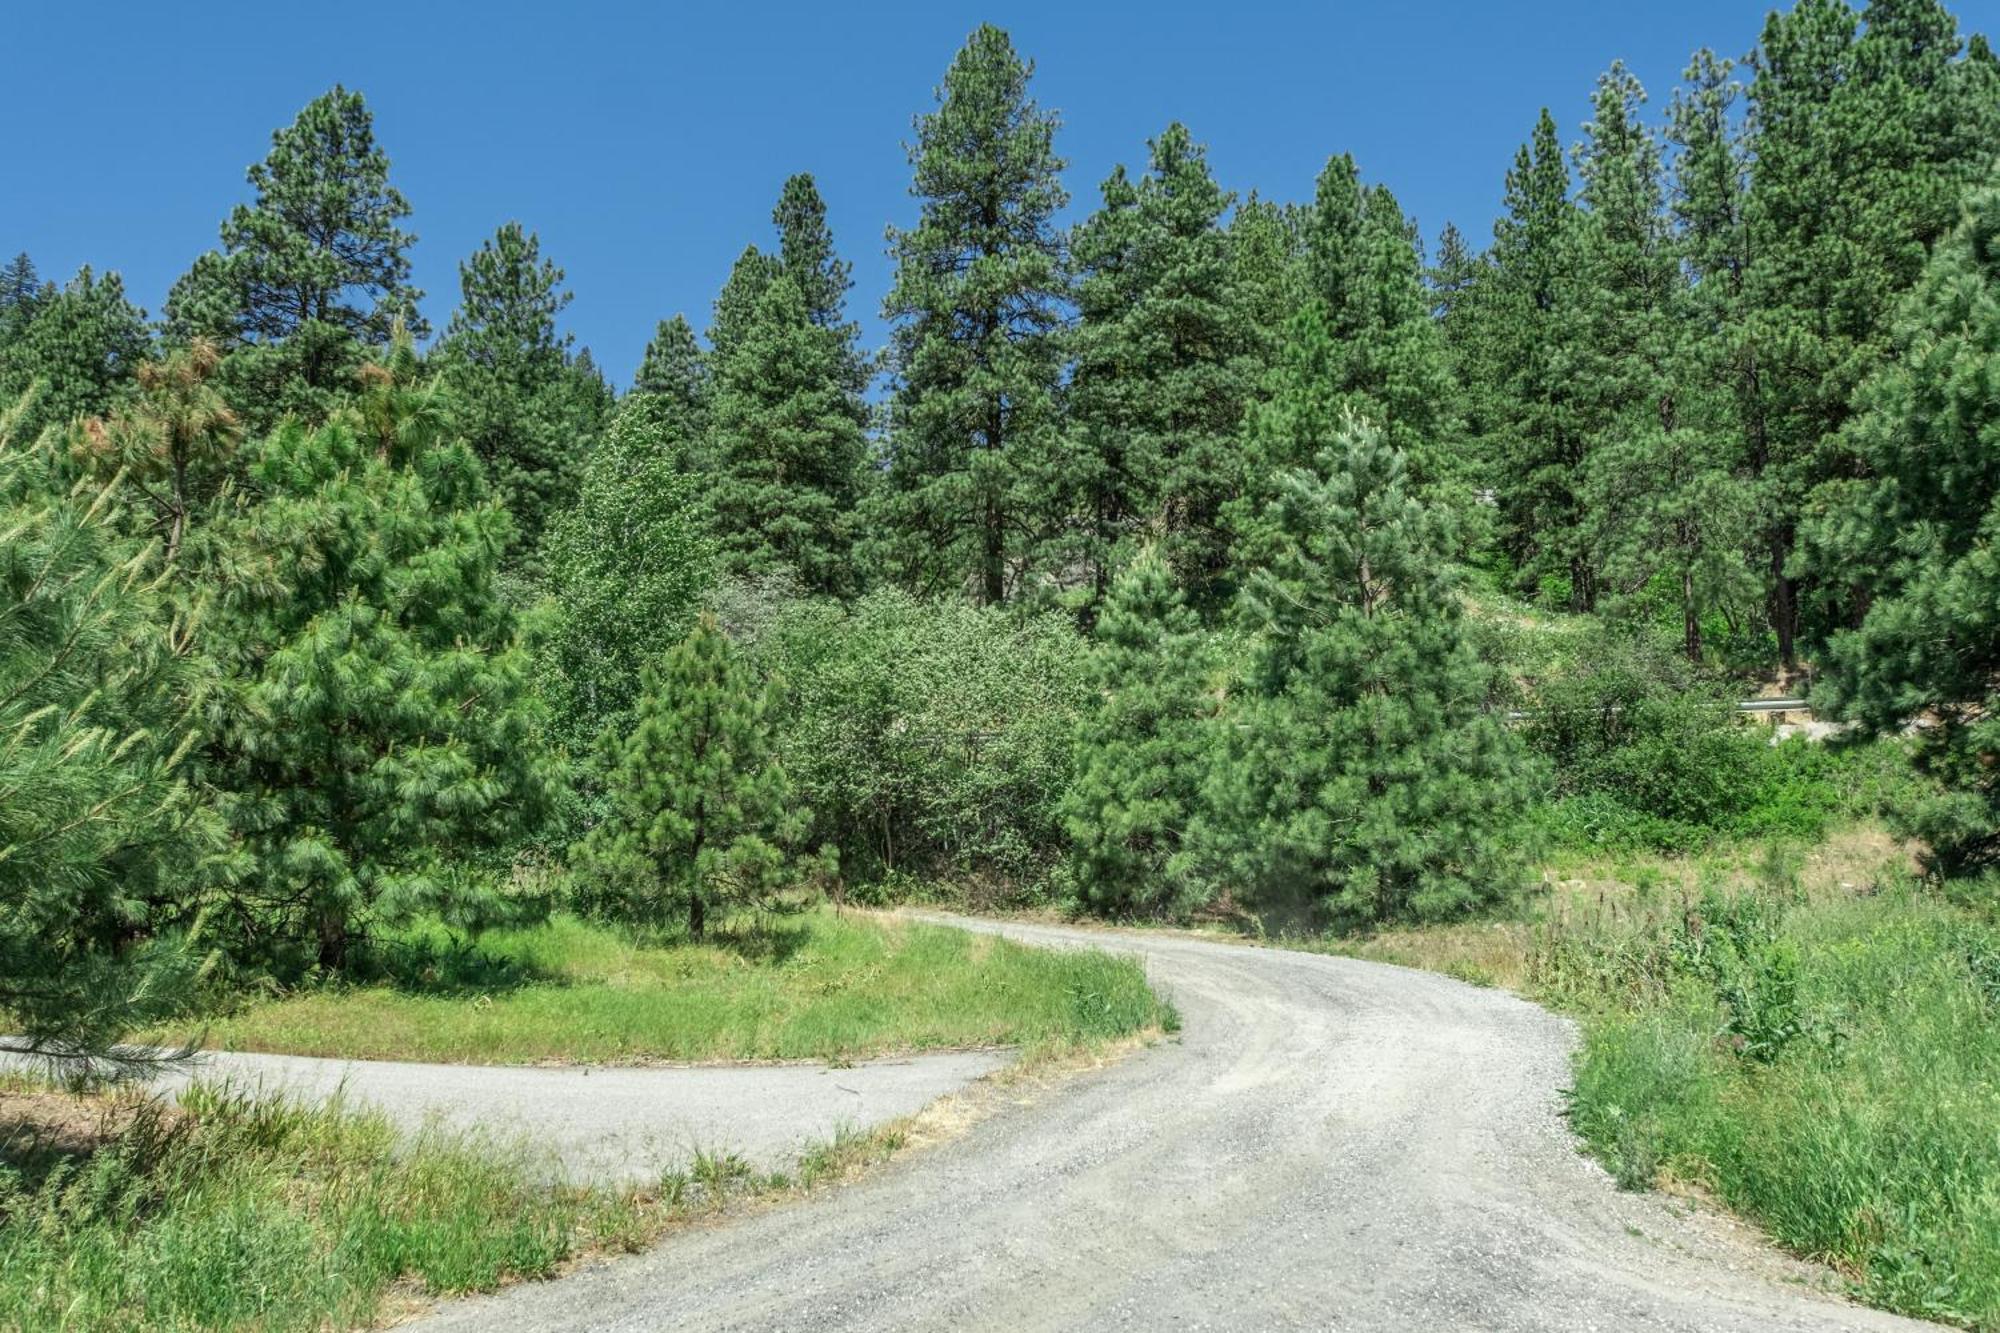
column 612, row 1123
column 1331, row 1144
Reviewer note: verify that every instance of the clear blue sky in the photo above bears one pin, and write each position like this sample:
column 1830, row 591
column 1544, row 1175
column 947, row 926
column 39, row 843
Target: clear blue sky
column 646, row 142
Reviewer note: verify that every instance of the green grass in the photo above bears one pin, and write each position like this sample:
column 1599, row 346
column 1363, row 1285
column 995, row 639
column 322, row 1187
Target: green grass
column 1836, row 1077
column 240, row 1212
column 813, row 986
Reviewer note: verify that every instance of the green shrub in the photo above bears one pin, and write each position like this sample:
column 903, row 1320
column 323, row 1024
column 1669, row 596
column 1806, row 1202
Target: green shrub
column 929, row 738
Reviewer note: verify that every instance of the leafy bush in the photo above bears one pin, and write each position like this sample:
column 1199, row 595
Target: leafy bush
column 929, row 738
column 1648, row 753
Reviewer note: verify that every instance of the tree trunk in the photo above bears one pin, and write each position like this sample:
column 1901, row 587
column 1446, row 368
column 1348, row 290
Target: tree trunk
column 1784, row 603
column 697, row 915
column 1690, row 623
column 332, row 939
column 992, row 562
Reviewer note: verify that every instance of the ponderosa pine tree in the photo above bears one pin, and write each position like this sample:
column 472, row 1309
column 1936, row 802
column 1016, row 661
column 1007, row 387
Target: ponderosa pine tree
column 84, row 342
column 1361, row 264
column 20, row 291
column 1918, row 537
column 736, row 304
column 676, row 370
column 1142, row 752
column 1163, row 366
column 100, row 835
column 507, row 370
column 311, row 272
column 376, row 749
column 1862, row 142
column 170, row 443
column 976, row 352
column 785, row 445
column 701, row 807
column 628, row 567
column 1536, row 450
column 1365, row 777
column 1662, row 498
column 806, row 252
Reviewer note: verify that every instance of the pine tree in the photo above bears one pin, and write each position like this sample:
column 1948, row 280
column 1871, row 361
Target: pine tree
column 376, row 747
column 310, row 273
column 1164, row 364
column 1141, row 754
column 507, row 370
column 1361, row 263
column 976, row 355
column 736, row 303
column 20, row 292
column 100, row 834
column 1918, row 538
column 1863, row 140
column 676, row 370
column 785, row 445
column 84, row 341
column 701, row 808
column 170, row 444
column 1538, row 438
column 1366, row 777
column 1661, row 498
column 628, row 566
column 807, row 254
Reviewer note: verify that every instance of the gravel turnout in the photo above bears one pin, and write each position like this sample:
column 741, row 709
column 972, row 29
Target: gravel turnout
column 606, row 1125
column 1330, row 1144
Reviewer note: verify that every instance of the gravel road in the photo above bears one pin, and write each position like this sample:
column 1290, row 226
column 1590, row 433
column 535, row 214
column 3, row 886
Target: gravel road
column 613, row 1123
column 1331, row 1144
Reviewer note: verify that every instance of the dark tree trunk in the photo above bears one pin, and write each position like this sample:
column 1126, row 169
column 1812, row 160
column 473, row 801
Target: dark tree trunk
column 332, row 940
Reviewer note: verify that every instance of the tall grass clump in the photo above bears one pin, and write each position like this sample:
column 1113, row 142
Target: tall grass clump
column 235, row 1211
column 1829, row 1067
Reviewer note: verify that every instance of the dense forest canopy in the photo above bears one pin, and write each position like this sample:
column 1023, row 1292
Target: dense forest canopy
column 1190, row 558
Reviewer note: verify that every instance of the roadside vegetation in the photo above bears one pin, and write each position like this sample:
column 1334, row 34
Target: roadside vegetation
column 374, row 693
column 231, row 1211
column 809, row 986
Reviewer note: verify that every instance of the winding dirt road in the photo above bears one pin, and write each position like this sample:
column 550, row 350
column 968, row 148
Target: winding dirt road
column 1331, row 1144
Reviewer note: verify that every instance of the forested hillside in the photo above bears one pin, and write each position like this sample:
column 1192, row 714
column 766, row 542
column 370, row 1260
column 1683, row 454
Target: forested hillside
column 1199, row 557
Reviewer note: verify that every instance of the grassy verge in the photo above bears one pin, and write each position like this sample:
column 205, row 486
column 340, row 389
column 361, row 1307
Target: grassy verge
column 1812, row 1039
column 814, row 986
column 237, row 1212
column 233, row 1211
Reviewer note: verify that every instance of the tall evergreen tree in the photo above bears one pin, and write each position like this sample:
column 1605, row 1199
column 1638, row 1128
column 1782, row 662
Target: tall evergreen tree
column 1918, row 537
column 1361, row 264
column 1866, row 129
column 20, row 291
column 84, row 341
column 807, row 254
column 1163, row 367
column 507, row 369
column 1366, row 778
column 1537, row 447
column 736, row 304
column 677, row 370
column 976, row 353
column 1661, row 498
column 1141, row 754
column 785, row 445
column 315, row 268
column 376, row 744
column 701, row 806
column 100, row 833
